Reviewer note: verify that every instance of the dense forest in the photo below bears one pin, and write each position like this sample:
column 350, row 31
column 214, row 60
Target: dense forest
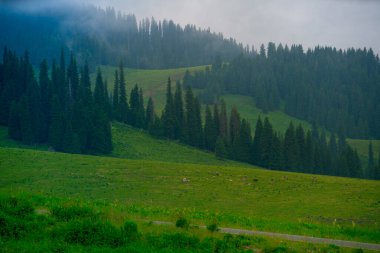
column 338, row 90
column 104, row 36
column 58, row 109
column 61, row 108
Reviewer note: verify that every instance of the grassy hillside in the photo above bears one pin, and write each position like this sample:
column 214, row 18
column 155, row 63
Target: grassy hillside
column 234, row 196
column 132, row 143
column 153, row 82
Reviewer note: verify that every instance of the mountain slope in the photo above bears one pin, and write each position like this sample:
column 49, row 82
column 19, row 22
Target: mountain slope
column 253, row 198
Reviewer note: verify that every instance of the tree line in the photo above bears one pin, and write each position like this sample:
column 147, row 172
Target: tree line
column 57, row 107
column 230, row 136
column 338, row 90
column 61, row 108
column 104, row 36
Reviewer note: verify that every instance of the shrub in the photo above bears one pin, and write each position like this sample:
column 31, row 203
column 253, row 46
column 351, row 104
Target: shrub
column 182, row 223
column 213, row 227
column 63, row 213
column 89, row 232
column 16, row 207
column 130, row 230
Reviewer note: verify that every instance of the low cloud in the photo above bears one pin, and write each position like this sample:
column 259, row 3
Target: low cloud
column 339, row 23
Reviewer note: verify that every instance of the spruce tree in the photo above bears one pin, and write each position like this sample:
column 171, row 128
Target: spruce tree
column 234, row 124
column 290, row 148
column 223, row 121
column 123, row 103
column 168, row 115
column 242, row 142
column 46, row 93
column 115, row 98
column 134, row 105
column 179, row 114
column 370, row 172
column 257, row 142
column 209, row 130
column 150, row 114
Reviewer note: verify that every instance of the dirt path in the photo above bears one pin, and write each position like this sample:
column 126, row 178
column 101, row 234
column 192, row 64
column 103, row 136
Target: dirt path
column 297, row 238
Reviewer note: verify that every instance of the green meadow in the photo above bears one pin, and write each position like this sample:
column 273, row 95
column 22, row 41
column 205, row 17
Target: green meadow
column 233, row 196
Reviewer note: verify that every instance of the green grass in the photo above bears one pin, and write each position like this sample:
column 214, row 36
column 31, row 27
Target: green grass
column 253, row 198
column 362, row 148
column 153, row 82
column 39, row 224
column 132, row 143
column 248, row 110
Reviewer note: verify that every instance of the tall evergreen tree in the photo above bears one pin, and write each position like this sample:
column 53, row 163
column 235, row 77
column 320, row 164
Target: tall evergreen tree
column 234, row 124
column 179, row 114
column 257, row 142
column 223, row 121
column 168, row 115
column 370, row 172
column 209, row 130
column 123, row 103
column 115, row 98
column 290, row 148
column 150, row 114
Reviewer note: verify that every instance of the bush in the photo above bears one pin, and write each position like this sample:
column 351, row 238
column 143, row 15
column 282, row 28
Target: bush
column 69, row 213
column 182, row 223
column 16, row 207
column 213, row 227
column 130, row 230
column 88, row 232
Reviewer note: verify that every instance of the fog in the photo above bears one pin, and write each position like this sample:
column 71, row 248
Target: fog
column 338, row 23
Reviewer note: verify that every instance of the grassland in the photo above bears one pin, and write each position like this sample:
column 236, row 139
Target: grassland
column 153, row 82
column 234, row 196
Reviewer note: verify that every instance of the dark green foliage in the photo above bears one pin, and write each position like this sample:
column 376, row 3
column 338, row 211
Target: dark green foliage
column 337, row 90
column 16, row 218
column 193, row 122
column 90, row 232
column 169, row 114
column 370, row 172
column 213, row 227
column 179, row 113
column 210, row 130
column 123, row 103
column 67, row 213
column 62, row 112
column 130, row 230
column 182, row 223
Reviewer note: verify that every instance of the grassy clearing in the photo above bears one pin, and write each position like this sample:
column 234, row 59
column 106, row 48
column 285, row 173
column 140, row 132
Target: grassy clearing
column 131, row 143
column 234, row 196
column 153, row 82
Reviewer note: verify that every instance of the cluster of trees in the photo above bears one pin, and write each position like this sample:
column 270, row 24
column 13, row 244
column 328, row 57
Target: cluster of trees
column 230, row 137
column 373, row 168
column 338, row 90
column 58, row 109
column 104, row 36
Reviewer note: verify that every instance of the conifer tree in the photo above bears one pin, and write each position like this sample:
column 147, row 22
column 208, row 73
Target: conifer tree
column 179, row 114
column 370, row 172
column 234, row 124
column 140, row 118
column 150, row 114
column 209, row 130
column 46, row 93
column 134, row 105
column 223, row 125
column 115, row 98
column 123, row 103
column 242, row 142
column 290, row 148
column 168, row 115
column 257, row 142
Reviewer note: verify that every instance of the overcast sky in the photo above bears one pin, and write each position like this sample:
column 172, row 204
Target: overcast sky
column 339, row 23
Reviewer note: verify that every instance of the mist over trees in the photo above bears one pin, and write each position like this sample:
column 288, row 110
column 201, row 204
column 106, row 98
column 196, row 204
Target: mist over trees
column 104, row 36
column 338, row 90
